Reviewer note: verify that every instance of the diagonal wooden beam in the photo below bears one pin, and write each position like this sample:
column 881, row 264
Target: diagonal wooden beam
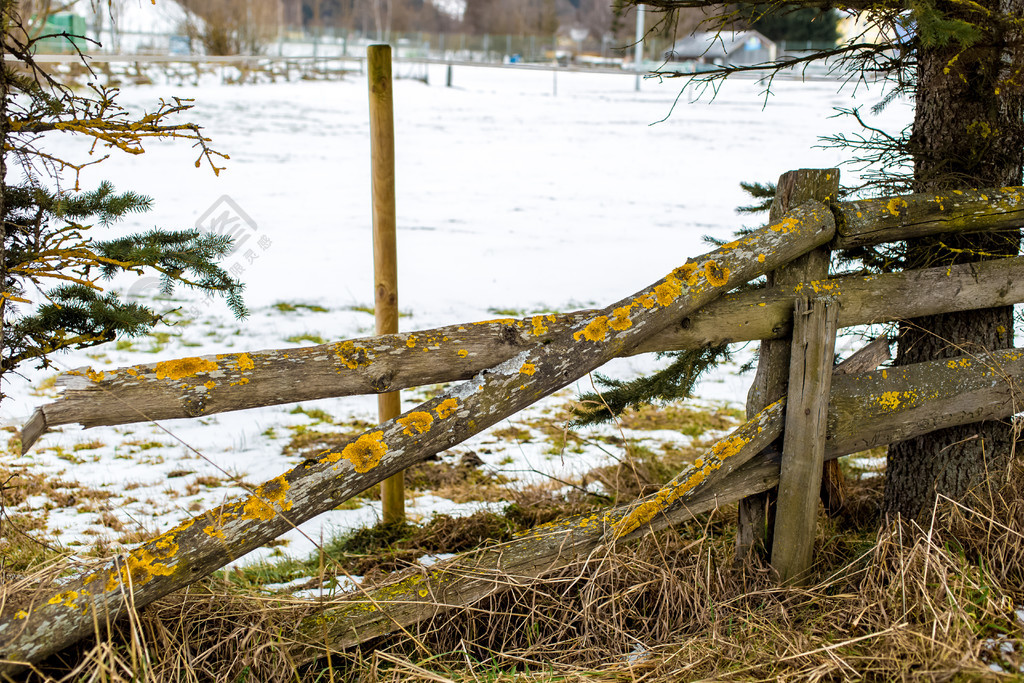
column 193, row 387
column 36, row 623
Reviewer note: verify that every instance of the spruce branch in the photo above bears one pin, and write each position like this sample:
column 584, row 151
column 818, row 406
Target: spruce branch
column 675, row 382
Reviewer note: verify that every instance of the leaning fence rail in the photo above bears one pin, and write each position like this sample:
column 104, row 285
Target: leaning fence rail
column 47, row 616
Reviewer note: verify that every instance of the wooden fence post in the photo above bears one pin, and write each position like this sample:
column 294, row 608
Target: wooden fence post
column 385, row 259
column 794, row 187
column 803, row 450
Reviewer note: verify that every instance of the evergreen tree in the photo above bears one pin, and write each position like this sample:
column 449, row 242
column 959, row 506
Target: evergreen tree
column 961, row 64
column 51, row 246
column 817, row 25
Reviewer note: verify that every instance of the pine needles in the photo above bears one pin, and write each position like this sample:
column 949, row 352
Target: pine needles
column 675, row 382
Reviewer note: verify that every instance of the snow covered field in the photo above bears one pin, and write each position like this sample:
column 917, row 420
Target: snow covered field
column 510, row 199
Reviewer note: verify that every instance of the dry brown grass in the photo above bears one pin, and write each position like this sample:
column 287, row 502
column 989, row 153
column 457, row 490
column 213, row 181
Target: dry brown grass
column 903, row 603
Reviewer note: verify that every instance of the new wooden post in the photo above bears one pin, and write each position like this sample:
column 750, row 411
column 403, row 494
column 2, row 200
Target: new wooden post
column 385, row 259
column 803, row 448
column 794, row 188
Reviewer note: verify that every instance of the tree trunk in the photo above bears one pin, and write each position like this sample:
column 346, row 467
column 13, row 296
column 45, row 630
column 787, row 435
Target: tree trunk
column 5, row 9
column 968, row 132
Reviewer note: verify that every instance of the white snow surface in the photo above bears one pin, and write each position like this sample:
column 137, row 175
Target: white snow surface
column 510, row 197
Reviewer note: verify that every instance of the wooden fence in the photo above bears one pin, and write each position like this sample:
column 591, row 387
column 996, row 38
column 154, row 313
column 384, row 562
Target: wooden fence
column 509, row 364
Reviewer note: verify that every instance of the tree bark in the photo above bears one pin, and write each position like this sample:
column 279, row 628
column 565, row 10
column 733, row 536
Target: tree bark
column 5, row 13
column 192, row 387
column 968, row 131
column 36, row 623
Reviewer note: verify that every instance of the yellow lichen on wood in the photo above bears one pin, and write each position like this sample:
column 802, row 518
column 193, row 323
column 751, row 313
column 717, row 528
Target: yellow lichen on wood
column 668, row 291
column 786, row 225
column 142, row 564
column 500, row 321
column 184, row 367
column 462, row 353
column 528, row 369
column 620, row 319
column 417, row 422
column 245, row 363
column 446, row 408
column 715, row 274
column 366, row 451
column 539, row 325
column 261, row 504
column 67, row 599
column 353, row 357
column 210, row 385
column 895, row 205
column 595, row 331
column 894, row 400
column 214, row 532
column 257, row 508
column 647, row 300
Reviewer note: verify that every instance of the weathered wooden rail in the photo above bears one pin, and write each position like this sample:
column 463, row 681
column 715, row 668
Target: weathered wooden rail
column 511, row 364
column 194, row 387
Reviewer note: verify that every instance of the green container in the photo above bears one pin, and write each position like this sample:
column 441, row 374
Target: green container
column 72, row 24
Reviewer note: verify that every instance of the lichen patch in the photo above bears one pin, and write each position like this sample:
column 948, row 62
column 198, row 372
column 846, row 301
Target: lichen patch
column 351, row 356
column 416, row 422
column 595, row 331
column 446, row 408
column 366, row 451
column 184, row 367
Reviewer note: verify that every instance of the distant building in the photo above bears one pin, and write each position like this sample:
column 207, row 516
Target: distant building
column 727, row 47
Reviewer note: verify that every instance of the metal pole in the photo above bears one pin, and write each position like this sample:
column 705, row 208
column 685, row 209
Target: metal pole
column 385, row 259
column 638, row 49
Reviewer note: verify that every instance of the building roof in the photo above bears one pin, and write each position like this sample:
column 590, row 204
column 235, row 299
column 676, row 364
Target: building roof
column 712, row 45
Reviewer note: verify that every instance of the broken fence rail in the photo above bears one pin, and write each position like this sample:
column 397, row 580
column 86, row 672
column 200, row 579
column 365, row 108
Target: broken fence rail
column 35, row 624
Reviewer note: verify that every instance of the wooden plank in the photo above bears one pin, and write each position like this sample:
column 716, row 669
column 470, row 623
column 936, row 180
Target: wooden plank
column 833, row 482
column 36, row 623
column 192, row 387
column 893, row 219
column 385, row 249
column 755, row 514
column 803, row 449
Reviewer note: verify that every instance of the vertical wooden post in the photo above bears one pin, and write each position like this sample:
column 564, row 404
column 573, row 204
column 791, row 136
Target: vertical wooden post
column 803, row 449
column 794, row 188
column 385, row 259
